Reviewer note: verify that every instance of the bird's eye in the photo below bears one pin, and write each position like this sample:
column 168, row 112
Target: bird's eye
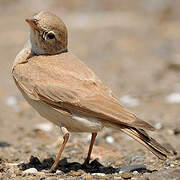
column 50, row 35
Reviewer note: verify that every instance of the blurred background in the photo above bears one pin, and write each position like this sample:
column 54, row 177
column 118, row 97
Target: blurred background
column 133, row 46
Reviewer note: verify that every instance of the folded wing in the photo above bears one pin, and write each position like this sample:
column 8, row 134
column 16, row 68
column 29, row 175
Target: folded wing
column 66, row 83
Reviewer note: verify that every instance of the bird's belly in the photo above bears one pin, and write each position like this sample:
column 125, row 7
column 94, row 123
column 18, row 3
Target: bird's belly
column 74, row 123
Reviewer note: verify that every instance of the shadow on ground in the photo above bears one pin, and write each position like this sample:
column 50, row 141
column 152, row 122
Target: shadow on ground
column 65, row 166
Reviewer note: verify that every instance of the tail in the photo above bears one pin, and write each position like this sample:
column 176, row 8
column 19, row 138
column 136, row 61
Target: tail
column 142, row 137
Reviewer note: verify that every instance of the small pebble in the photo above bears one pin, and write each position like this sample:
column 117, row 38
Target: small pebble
column 76, row 173
column 58, row 172
column 11, row 101
column 98, row 174
column 173, row 98
column 44, row 127
column 158, row 125
column 31, row 171
column 109, row 139
column 135, row 173
column 170, row 132
column 126, row 175
column 12, row 164
column 129, row 101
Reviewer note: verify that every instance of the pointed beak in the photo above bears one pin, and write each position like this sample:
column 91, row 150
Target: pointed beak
column 32, row 23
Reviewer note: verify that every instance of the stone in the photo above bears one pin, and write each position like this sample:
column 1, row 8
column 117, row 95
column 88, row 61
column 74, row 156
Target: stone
column 109, row 139
column 98, row 174
column 31, row 171
column 126, row 175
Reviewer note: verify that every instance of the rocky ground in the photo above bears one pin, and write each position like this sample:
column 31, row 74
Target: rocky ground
column 133, row 46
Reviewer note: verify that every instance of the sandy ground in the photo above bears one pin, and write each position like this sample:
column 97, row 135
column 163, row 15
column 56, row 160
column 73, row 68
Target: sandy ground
column 134, row 48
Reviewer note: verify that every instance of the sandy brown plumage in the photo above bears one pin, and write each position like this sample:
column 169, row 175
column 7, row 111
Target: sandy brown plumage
column 64, row 90
column 67, row 83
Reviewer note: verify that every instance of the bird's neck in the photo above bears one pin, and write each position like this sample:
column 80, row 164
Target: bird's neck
column 30, row 49
column 32, row 45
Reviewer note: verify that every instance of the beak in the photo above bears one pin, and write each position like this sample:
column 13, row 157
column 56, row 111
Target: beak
column 32, row 23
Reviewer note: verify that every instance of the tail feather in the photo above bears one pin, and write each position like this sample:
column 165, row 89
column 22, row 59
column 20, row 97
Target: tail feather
column 142, row 137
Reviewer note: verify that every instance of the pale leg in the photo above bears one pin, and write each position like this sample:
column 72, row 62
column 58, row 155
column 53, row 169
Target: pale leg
column 93, row 137
column 66, row 137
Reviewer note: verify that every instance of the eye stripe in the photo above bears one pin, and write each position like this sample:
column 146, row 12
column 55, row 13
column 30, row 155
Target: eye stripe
column 44, row 35
column 47, row 35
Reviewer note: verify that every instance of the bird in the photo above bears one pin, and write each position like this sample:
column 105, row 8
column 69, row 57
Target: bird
column 62, row 89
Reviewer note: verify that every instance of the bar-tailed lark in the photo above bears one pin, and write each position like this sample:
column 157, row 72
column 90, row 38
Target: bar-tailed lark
column 66, row 92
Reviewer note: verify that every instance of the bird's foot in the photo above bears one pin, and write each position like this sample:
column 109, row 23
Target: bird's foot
column 86, row 164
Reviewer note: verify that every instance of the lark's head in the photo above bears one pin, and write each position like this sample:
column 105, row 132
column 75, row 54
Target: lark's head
column 48, row 34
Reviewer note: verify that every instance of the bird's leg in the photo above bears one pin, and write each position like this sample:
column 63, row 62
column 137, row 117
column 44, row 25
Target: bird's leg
column 65, row 133
column 93, row 137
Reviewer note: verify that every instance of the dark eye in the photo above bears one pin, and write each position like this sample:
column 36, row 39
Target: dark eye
column 50, row 35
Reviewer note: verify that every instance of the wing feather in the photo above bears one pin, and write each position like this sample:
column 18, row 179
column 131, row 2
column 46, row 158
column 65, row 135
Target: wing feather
column 67, row 83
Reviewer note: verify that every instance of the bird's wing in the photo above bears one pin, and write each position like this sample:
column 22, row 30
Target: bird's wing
column 65, row 82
